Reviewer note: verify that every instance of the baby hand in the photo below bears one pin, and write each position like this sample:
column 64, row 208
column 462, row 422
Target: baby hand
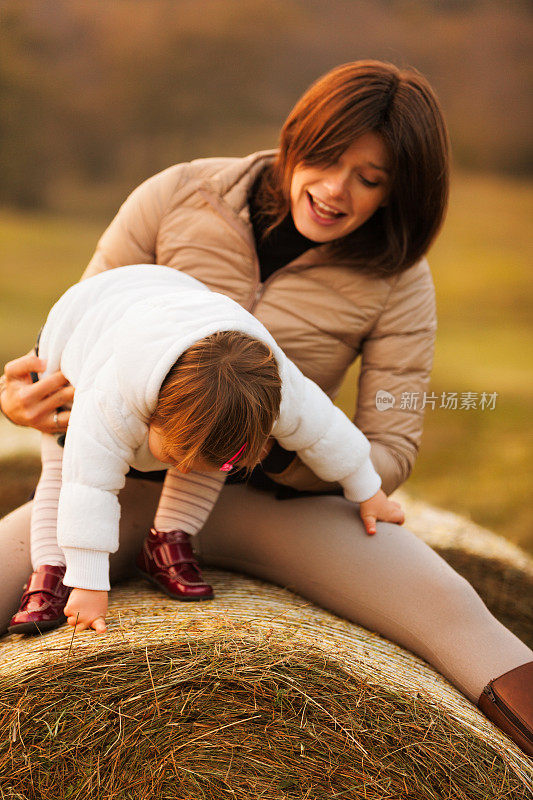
column 86, row 608
column 380, row 507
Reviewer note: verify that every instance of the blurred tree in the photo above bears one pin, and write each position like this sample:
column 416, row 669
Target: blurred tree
column 109, row 93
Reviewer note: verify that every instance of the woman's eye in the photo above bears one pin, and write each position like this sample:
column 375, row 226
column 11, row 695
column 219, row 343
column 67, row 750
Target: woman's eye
column 366, row 182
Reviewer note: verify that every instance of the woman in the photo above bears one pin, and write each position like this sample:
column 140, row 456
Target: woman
column 324, row 242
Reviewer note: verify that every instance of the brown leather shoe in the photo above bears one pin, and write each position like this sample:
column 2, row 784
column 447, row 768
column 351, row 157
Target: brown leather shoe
column 167, row 560
column 508, row 702
column 42, row 603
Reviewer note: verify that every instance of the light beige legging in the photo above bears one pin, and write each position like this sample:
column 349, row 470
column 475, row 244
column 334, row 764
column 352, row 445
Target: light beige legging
column 391, row 583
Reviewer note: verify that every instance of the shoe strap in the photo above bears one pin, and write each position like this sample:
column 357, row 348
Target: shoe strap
column 45, row 582
column 168, row 554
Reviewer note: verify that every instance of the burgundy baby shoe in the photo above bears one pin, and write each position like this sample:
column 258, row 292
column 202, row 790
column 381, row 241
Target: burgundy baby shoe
column 168, row 561
column 42, row 603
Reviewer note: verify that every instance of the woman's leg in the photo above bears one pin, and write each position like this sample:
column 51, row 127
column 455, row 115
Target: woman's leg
column 391, row 583
column 15, row 561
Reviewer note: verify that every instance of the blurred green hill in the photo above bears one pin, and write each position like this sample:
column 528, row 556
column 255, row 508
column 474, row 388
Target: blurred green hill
column 98, row 96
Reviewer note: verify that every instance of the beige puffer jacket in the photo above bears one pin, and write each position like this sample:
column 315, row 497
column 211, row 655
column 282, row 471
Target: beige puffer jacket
column 195, row 217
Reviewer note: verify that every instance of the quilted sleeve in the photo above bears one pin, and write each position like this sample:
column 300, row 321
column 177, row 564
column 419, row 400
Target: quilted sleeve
column 397, row 358
column 323, row 436
column 95, row 463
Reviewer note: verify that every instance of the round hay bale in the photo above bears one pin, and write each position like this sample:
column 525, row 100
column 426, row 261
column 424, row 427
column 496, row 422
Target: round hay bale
column 255, row 694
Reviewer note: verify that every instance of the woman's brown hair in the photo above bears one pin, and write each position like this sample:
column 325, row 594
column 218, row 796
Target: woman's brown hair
column 400, row 106
column 223, row 391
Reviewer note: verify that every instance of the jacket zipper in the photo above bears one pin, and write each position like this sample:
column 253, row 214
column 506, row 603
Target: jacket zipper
column 507, row 713
column 246, row 234
column 258, row 293
column 261, row 286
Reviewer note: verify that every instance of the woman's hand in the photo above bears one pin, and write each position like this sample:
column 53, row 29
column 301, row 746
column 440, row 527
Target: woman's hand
column 87, row 608
column 35, row 405
column 380, row 507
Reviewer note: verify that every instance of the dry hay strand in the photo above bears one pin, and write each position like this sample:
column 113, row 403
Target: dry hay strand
column 237, row 717
column 257, row 694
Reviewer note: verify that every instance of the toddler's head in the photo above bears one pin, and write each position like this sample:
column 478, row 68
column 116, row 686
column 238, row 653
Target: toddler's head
column 223, row 392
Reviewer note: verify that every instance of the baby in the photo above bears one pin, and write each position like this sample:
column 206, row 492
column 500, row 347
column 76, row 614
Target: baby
column 168, row 374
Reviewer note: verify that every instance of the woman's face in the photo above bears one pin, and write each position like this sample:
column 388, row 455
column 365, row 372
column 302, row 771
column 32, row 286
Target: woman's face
column 328, row 202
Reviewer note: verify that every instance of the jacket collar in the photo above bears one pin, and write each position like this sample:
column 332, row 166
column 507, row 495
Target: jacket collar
column 233, row 182
column 227, row 192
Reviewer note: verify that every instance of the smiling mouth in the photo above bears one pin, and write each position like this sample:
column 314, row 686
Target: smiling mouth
column 323, row 210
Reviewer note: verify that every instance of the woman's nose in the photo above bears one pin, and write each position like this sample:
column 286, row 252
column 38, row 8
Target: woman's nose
column 335, row 182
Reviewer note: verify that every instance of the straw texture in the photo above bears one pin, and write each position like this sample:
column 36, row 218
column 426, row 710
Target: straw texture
column 282, row 626
column 257, row 694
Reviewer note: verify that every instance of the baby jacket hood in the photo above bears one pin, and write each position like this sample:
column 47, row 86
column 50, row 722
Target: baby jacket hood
column 176, row 319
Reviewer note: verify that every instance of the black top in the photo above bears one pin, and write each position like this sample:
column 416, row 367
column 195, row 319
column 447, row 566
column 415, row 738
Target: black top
column 282, row 245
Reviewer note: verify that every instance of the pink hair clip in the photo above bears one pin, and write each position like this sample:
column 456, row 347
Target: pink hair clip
column 228, row 466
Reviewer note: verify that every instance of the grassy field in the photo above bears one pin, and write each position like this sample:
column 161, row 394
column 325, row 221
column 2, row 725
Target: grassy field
column 476, row 462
